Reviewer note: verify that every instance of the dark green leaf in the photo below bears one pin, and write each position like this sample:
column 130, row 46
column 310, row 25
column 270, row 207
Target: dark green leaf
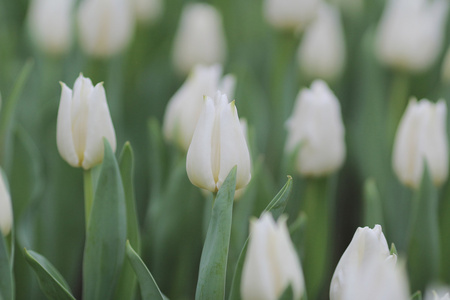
column 6, row 276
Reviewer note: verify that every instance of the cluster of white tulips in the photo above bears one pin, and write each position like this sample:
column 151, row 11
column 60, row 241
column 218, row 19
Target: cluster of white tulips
column 185, row 198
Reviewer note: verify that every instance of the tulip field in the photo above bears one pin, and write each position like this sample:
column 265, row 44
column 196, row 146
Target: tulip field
column 224, row 149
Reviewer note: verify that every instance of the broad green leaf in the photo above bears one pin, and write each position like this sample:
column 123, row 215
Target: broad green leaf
column 6, row 275
column 278, row 203
column 106, row 233
column 50, row 280
column 127, row 280
column 213, row 263
column 373, row 210
column 149, row 288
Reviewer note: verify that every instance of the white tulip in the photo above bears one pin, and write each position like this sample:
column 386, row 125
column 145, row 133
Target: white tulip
column 421, row 137
column 322, row 51
column 83, row 121
column 357, row 269
column 437, row 293
column 50, row 25
column 199, row 39
column 217, row 146
column 6, row 215
column 184, row 108
column 105, row 26
column 290, row 14
column 411, row 33
column 271, row 263
column 148, row 11
column 316, row 124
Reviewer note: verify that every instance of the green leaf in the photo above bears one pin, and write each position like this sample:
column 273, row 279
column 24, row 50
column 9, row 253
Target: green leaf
column 276, row 207
column 106, row 233
column 6, row 275
column 373, row 211
column 127, row 281
column 288, row 294
column 50, row 280
column 156, row 157
column 416, row 296
column 213, row 263
column 149, row 288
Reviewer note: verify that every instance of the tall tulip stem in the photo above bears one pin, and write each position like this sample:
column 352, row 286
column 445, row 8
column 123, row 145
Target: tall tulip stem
column 88, row 194
column 398, row 99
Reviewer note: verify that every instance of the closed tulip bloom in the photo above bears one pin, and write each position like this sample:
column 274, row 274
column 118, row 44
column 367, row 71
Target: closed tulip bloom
column 184, row 108
column 322, row 51
column 83, row 121
column 148, row 11
column 421, row 137
column 105, row 26
column 271, row 264
column 217, row 146
column 199, row 38
column 290, row 14
column 50, row 25
column 6, row 215
column 316, row 125
column 411, row 33
column 367, row 245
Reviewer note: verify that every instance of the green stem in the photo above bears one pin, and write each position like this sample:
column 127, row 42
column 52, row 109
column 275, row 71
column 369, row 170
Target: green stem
column 397, row 102
column 88, row 194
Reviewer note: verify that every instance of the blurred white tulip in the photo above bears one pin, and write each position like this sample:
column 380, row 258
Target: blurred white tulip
column 184, row 108
column 50, row 25
column 105, row 26
column 199, row 39
column 437, row 293
column 322, row 51
column 316, row 124
column 217, row 146
column 6, row 215
column 271, row 264
column 290, row 14
column 83, row 121
column 421, row 137
column 411, row 33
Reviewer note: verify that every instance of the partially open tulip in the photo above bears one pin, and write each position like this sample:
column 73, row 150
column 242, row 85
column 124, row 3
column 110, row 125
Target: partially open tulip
column 6, row 215
column 271, row 264
column 422, row 138
column 184, row 108
column 316, row 127
column 322, row 51
column 105, row 26
column 199, row 38
column 411, row 33
column 50, row 25
column 366, row 251
column 83, row 122
column 217, row 146
column 289, row 14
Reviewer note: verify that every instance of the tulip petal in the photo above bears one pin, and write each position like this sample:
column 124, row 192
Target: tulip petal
column 6, row 216
column 64, row 136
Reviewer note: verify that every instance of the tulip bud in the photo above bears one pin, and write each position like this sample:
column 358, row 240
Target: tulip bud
column 83, row 122
column 199, row 39
column 290, row 15
column 217, row 146
column 421, row 137
column 322, row 51
column 316, row 125
column 184, row 108
column 358, row 265
column 50, row 25
column 148, row 11
column 271, row 264
column 105, row 26
column 6, row 215
column 411, row 33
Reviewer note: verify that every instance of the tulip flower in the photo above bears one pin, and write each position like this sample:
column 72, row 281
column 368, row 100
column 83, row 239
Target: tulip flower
column 199, row 39
column 357, row 272
column 148, row 11
column 322, row 51
column 411, row 33
column 316, row 125
column 6, row 215
column 271, row 264
column 217, row 146
column 105, row 26
column 184, row 108
column 50, row 25
column 437, row 293
column 290, row 15
column 421, row 137
column 83, row 121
